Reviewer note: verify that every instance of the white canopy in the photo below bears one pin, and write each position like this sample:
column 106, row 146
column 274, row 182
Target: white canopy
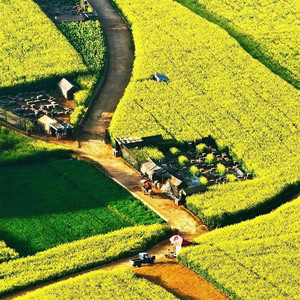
column 176, row 240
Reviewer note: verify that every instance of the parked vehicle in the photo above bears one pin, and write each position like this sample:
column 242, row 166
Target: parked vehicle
column 143, row 258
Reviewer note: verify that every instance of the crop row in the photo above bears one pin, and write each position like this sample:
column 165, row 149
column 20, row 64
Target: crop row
column 215, row 88
column 120, row 283
column 267, row 29
column 257, row 259
column 6, row 253
column 70, row 258
column 31, row 46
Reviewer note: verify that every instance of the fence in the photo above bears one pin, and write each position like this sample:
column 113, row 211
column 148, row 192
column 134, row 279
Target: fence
column 14, row 120
column 127, row 154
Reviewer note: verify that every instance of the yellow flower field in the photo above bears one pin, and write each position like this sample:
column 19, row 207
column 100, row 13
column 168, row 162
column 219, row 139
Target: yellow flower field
column 215, row 88
column 268, row 28
column 257, row 259
column 73, row 257
column 31, row 46
column 120, row 283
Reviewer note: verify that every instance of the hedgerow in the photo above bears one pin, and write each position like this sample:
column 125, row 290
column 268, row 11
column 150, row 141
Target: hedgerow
column 32, row 48
column 120, row 283
column 73, row 257
column 257, row 259
column 215, row 88
column 88, row 39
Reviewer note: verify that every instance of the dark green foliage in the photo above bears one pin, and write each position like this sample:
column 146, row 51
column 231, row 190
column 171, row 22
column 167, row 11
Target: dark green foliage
column 87, row 38
column 43, row 205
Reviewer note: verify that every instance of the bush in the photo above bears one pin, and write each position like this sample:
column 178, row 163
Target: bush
column 141, row 154
column 7, row 253
column 87, row 81
column 200, row 148
column 203, row 180
column 81, row 97
column 183, row 160
column 221, row 169
column 210, row 158
column 230, row 178
column 175, row 151
column 76, row 115
column 195, row 171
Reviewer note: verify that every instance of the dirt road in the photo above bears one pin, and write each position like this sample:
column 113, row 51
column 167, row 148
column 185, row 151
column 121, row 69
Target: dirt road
column 119, row 66
column 90, row 144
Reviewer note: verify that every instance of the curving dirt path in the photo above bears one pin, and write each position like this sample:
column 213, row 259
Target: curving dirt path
column 119, row 66
column 90, row 145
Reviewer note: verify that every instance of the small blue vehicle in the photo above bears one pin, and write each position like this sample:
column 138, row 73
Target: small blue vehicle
column 143, row 258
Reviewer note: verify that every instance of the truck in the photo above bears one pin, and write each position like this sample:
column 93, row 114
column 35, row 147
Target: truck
column 143, row 258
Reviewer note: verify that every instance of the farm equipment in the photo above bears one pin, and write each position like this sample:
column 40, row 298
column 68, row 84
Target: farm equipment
column 143, row 258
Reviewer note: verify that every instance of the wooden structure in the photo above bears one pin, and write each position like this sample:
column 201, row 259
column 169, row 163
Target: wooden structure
column 46, row 122
column 154, row 171
column 132, row 142
column 67, row 89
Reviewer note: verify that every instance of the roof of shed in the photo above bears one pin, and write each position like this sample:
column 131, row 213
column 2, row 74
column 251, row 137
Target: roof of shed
column 66, row 85
column 46, row 120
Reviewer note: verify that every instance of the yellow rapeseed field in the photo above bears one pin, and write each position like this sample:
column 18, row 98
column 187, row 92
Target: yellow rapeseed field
column 120, row 283
column 257, row 259
column 82, row 254
column 6, row 253
column 215, row 88
column 268, row 28
column 31, row 46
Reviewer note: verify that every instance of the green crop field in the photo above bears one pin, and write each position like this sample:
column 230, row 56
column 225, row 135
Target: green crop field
column 120, row 283
column 216, row 88
column 257, row 259
column 17, row 149
column 47, row 201
column 31, row 46
column 268, row 29
column 47, row 204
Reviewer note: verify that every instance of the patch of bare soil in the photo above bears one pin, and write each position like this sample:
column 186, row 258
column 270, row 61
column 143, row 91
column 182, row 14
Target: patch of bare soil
column 179, row 280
